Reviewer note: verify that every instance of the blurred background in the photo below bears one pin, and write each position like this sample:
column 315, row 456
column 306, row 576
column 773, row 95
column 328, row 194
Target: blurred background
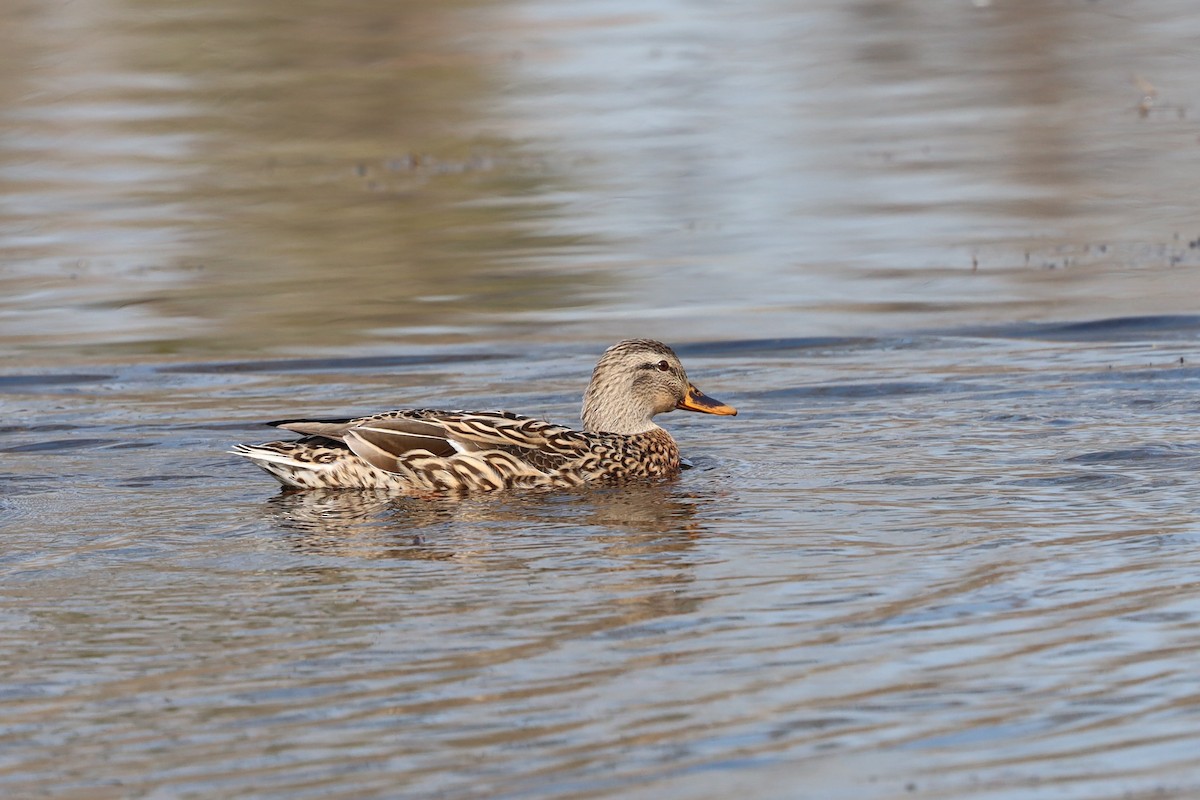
column 195, row 180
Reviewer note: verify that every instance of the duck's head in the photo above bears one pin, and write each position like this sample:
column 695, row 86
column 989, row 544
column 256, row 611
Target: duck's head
column 636, row 379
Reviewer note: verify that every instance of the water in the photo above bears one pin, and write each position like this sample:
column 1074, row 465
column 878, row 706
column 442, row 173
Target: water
column 939, row 256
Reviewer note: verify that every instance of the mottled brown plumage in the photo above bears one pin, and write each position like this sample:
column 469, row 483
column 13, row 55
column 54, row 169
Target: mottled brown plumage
column 422, row 451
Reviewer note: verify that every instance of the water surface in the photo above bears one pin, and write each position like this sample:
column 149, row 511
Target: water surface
column 942, row 257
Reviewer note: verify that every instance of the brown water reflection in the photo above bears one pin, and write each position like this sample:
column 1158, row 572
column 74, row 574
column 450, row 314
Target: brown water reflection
column 280, row 178
column 262, row 173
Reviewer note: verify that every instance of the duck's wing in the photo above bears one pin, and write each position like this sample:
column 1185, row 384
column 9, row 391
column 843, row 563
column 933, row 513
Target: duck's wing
column 539, row 445
column 386, row 439
column 403, row 431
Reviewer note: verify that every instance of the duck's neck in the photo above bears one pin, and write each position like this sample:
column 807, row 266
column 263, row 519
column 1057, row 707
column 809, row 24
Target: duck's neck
column 608, row 411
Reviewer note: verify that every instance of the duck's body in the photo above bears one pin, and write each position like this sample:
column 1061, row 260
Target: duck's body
column 465, row 451
column 424, row 451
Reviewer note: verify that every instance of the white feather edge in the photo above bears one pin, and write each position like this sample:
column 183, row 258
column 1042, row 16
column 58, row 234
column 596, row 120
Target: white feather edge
column 458, row 446
column 270, row 457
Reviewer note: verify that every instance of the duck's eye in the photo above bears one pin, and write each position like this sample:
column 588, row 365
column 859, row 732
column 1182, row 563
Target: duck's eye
column 663, row 366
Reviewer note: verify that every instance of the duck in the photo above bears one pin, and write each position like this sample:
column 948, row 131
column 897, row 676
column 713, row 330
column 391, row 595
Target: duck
column 422, row 451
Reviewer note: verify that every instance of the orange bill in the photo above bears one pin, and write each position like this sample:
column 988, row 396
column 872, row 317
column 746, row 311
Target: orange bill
column 696, row 400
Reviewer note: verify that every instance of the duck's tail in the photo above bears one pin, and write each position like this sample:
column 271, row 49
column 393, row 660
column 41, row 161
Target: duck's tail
column 284, row 462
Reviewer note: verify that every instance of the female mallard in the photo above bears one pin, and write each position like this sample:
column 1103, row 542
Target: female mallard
column 423, row 451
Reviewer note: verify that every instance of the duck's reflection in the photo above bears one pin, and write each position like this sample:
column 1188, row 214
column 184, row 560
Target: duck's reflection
column 547, row 568
column 635, row 519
